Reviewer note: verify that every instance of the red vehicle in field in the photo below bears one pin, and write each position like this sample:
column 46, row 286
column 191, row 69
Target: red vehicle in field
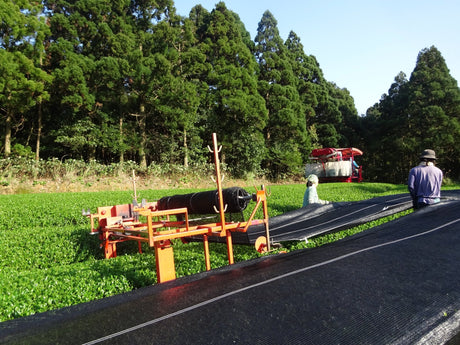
column 335, row 165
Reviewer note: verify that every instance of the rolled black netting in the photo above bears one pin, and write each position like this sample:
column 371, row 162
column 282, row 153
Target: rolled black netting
column 235, row 200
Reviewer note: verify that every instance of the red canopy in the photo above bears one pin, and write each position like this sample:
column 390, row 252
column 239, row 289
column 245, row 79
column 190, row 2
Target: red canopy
column 329, row 152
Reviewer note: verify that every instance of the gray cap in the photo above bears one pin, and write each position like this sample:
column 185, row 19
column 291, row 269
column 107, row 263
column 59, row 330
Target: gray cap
column 428, row 154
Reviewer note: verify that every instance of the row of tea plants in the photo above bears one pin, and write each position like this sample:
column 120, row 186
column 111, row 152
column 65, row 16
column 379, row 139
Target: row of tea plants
column 48, row 259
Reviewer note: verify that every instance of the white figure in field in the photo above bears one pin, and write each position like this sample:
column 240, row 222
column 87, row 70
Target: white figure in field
column 311, row 194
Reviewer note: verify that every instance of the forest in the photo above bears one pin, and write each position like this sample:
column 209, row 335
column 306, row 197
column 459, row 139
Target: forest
column 117, row 81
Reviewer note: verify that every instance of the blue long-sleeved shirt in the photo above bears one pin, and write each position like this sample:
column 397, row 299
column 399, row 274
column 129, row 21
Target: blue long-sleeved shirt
column 424, row 183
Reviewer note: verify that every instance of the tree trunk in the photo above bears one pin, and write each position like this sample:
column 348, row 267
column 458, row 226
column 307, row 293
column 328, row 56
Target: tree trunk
column 39, row 130
column 142, row 127
column 8, row 134
column 91, row 153
column 185, row 149
column 122, row 153
column 40, row 117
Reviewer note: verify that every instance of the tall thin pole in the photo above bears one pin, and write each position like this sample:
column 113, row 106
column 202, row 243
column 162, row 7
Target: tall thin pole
column 227, row 234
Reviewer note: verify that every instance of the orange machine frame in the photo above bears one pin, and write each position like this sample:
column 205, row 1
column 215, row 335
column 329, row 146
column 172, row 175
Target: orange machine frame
column 122, row 223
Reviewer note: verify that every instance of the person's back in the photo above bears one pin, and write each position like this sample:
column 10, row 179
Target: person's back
column 425, row 181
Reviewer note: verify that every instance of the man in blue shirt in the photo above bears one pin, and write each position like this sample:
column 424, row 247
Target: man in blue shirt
column 425, row 181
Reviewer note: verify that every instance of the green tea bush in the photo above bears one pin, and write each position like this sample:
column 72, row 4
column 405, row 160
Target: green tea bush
column 37, row 290
column 48, row 260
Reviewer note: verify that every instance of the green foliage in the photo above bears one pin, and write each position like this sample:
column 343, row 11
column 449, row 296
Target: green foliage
column 238, row 114
column 26, row 168
column 49, row 260
column 22, row 151
column 23, row 81
column 419, row 113
column 113, row 82
column 26, row 292
column 286, row 131
column 434, row 102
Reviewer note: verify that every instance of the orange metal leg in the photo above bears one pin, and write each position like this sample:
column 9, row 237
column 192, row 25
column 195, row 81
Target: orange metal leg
column 164, row 257
column 110, row 248
column 229, row 247
column 206, row 252
column 265, row 210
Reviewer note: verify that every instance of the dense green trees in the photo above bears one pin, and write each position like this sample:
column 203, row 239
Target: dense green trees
column 22, row 79
column 117, row 80
column 285, row 132
column 422, row 112
column 434, row 104
column 235, row 110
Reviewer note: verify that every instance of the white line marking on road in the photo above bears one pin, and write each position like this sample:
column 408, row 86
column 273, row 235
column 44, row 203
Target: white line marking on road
column 268, row 281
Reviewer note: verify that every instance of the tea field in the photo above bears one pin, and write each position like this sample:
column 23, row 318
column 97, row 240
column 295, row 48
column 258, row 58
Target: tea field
column 48, row 259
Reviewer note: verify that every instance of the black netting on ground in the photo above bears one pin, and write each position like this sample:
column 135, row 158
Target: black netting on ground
column 397, row 283
column 316, row 219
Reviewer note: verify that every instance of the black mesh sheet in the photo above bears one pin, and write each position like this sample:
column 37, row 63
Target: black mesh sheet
column 397, row 283
column 315, row 219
